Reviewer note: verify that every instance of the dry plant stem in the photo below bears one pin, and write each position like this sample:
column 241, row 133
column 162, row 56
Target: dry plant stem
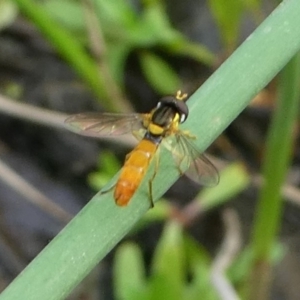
column 194, row 209
column 99, row 50
column 11, row 178
column 260, row 280
column 32, row 113
column 229, row 249
column 89, row 288
column 190, row 212
column 291, row 193
column 47, row 118
column 13, row 261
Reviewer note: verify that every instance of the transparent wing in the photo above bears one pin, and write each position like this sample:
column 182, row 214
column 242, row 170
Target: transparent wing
column 105, row 124
column 187, row 157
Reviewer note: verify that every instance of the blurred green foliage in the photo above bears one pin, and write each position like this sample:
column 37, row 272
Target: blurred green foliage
column 108, row 167
column 229, row 16
column 179, row 262
column 179, row 269
column 8, row 13
column 118, row 28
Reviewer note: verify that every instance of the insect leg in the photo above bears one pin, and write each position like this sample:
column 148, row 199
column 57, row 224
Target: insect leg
column 180, row 158
column 152, row 178
column 102, row 192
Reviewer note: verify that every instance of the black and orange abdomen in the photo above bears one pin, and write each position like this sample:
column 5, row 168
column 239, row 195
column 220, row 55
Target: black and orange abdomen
column 133, row 171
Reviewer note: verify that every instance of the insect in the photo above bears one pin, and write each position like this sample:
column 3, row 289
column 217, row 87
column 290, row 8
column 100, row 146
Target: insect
column 159, row 127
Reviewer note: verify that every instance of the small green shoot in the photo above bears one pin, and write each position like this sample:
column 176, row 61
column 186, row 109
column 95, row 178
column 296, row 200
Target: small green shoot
column 179, row 270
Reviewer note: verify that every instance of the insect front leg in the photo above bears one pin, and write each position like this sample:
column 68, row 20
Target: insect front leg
column 189, row 135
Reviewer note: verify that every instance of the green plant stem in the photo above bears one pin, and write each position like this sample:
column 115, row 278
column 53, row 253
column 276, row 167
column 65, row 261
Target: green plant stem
column 101, row 224
column 277, row 158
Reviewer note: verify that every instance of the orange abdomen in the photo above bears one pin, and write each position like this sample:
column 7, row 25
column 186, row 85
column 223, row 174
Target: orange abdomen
column 133, row 171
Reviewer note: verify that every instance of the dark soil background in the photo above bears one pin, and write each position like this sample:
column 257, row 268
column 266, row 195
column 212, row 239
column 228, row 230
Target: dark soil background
column 58, row 162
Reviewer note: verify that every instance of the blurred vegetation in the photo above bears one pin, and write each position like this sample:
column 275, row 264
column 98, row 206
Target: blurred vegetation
column 96, row 39
column 178, row 262
column 112, row 30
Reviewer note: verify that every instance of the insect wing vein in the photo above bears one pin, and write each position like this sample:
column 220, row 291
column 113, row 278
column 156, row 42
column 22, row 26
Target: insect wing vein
column 187, row 157
column 105, row 124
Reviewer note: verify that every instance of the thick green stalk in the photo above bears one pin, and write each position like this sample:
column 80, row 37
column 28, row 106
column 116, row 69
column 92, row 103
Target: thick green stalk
column 101, row 224
column 277, row 158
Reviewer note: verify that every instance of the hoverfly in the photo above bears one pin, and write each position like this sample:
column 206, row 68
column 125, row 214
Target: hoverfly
column 159, row 127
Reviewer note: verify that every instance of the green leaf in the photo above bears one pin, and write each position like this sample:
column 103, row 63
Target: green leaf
column 234, row 179
column 159, row 74
column 73, row 20
column 68, row 47
column 153, row 28
column 8, row 13
column 117, row 14
column 129, row 273
column 183, row 46
column 157, row 22
column 227, row 15
column 117, row 55
column 199, row 263
column 168, row 267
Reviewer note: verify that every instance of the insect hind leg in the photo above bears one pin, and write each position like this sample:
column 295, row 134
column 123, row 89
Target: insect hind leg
column 150, row 182
column 105, row 191
column 183, row 161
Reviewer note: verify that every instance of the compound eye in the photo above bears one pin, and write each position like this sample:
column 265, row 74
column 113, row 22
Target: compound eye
column 167, row 100
column 183, row 110
column 183, row 117
column 179, row 106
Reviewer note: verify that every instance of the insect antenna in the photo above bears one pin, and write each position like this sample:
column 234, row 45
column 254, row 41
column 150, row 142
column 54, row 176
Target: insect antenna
column 181, row 96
